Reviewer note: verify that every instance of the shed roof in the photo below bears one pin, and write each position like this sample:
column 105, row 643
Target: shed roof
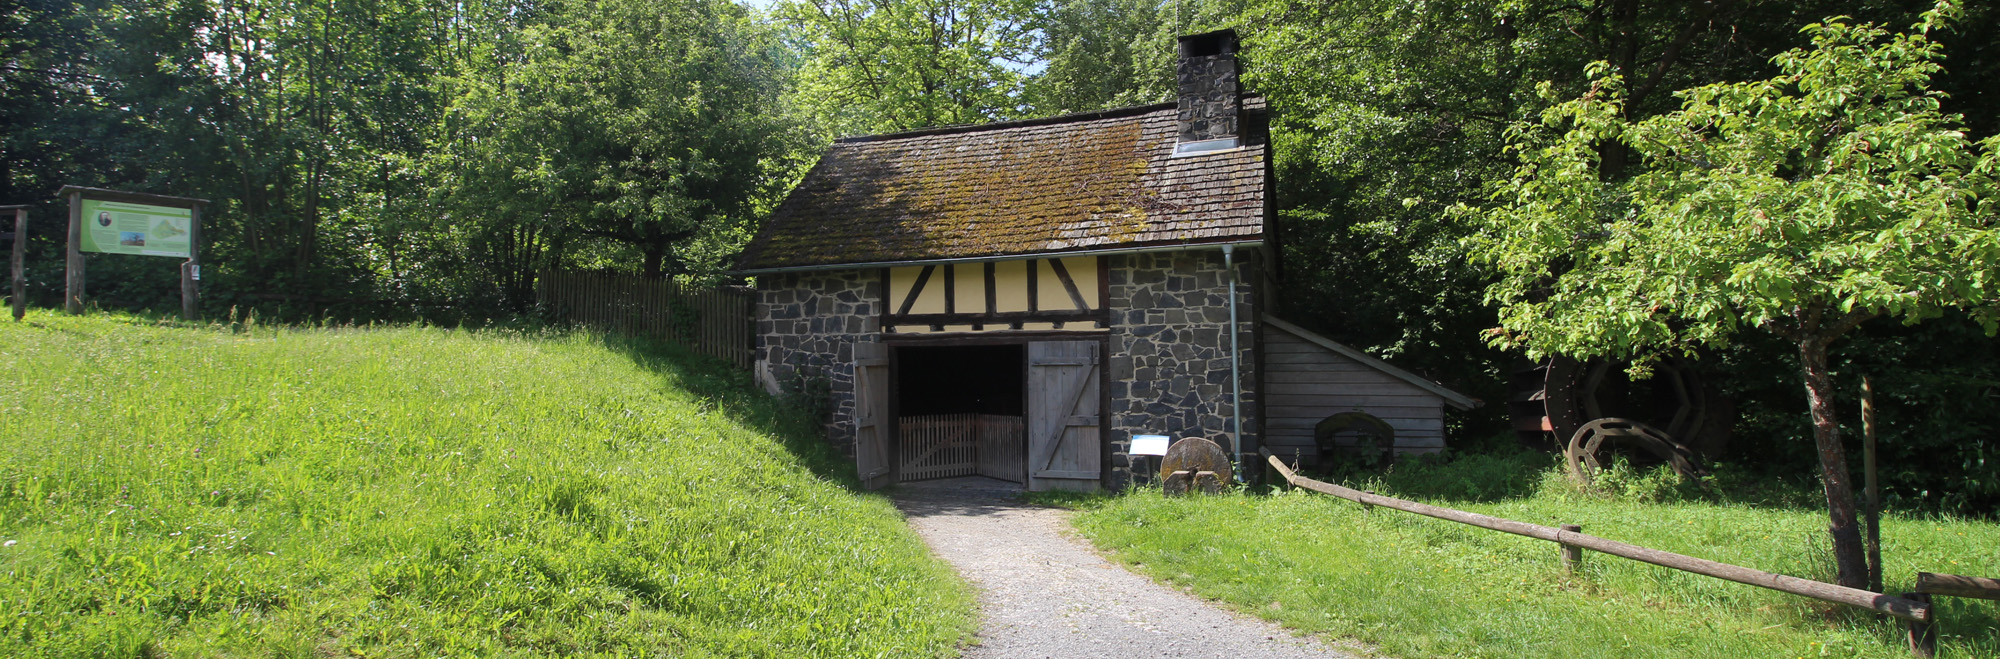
column 1084, row 182
column 1452, row 398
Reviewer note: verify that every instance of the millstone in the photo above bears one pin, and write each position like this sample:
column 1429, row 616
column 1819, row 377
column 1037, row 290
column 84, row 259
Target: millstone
column 1194, row 454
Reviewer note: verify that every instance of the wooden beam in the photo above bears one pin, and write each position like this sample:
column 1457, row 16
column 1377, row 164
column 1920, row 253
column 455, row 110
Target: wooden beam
column 20, row 257
column 992, row 288
column 1958, row 585
column 923, row 277
column 1034, row 287
column 1069, row 285
column 1871, row 489
column 1896, row 606
column 73, row 258
column 191, row 269
column 950, row 288
column 996, row 318
column 102, row 194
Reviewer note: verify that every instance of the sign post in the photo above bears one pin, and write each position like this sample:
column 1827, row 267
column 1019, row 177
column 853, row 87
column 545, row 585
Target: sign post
column 113, row 222
column 20, row 237
column 73, row 259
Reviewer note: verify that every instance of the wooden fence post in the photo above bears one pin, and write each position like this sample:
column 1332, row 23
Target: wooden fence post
column 1572, row 555
column 191, row 270
column 1871, row 488
column 20, row 256
column 73, row 258
column 1923, row 637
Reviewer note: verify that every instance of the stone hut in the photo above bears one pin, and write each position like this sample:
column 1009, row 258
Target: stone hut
column 1018, row 299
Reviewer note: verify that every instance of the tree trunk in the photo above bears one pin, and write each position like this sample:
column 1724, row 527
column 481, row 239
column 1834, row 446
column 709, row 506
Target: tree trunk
column 1849, row 556
column 656, row 254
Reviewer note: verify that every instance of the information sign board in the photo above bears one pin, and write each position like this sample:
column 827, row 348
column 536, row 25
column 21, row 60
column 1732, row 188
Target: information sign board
column 116, row 227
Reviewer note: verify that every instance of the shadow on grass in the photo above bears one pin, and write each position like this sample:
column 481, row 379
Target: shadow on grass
column 1512, row 473
column 736, row 395
column 1471, row 477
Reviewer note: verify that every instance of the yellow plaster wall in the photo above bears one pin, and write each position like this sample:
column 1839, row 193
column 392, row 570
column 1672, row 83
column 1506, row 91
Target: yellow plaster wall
column 1083, row 270
column 931, row 300
column 1010, row 279
column 970, row 280
column 1050, row 292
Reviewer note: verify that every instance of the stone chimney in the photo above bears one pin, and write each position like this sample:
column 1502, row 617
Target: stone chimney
column 1211, row 100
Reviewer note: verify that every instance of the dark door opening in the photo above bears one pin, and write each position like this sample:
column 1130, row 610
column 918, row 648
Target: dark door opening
column 959, row 412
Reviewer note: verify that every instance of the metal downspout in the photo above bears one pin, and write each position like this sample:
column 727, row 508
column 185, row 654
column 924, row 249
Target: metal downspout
column 1235, row 376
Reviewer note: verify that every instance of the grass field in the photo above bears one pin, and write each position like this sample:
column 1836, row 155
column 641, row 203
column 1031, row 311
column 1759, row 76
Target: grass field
column 1417, row 587
column 317, row 492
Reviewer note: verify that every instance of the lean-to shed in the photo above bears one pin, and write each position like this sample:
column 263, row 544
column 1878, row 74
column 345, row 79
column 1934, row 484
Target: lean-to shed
column 1018, row 299
column 1309, row 378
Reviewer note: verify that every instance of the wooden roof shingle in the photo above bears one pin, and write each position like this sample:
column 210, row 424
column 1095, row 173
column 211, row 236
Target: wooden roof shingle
column 1085, row 182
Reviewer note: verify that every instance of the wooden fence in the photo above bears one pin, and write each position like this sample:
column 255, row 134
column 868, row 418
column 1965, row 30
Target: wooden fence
column 713, row 321
column 948, row 445
column 1916, row 610
column 938, row 446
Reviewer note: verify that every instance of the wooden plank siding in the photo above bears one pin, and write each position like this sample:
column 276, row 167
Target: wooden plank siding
column 712, row 321
column 1305, row 383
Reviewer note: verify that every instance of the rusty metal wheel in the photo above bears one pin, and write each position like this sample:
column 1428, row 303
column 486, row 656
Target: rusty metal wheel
column 1555, row 397
column 1581, row 453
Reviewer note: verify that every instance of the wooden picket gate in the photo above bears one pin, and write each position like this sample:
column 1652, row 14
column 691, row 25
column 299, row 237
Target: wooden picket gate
column 713, row 321
column 948, row 445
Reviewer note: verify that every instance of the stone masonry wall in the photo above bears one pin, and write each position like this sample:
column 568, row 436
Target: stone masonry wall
column 807, row 325
column 1169, row 362
column 1167, row 372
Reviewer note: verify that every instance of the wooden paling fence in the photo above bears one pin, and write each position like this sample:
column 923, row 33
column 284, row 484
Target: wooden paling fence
column 938, row 446
column 713, row 321
column 1916, row 610
column 948, row 445
column 1003, row 447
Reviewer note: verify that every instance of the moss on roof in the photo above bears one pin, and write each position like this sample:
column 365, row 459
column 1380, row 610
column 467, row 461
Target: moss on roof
column 1094, row 182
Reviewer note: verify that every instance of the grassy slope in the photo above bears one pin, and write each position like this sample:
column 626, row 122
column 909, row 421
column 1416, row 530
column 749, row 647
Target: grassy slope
column 408, row 492
column 1418, row 587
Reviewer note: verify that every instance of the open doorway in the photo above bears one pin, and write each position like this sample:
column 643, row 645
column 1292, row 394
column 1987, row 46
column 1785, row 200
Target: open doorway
column 959, row 412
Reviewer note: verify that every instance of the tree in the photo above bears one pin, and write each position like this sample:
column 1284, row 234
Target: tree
column 642, row 125
column 1388, row 113
column 889, row 65
column 1087, row 50
column 1803, row 205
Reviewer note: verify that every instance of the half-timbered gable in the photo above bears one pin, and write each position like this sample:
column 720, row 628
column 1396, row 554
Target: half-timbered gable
column 1058, row 293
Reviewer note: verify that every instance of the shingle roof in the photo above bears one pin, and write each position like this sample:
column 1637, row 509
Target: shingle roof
column 1083, row 182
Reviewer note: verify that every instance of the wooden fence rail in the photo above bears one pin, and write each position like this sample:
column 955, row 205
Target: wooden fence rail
column 1958, row 586
column 1907, row 609
column 713, row 321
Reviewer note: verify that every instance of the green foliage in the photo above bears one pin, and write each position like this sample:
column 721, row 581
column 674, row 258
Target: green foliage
column 1802, row 203
column 1933, row 383
column 649, row 125
column 1098, row 54
column 1091, row 51
column 1411, row 586
column 249, row 490
column 409, row 158
column 872, row 67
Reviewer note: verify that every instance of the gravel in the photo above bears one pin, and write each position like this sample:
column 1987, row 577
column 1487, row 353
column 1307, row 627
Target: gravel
column 1045, row 593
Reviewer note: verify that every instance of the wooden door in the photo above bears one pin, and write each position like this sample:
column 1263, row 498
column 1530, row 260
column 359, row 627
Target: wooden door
column 1063, row 440
column 871, row 414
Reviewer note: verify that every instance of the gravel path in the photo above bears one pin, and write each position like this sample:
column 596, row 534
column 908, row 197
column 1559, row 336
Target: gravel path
column 1044, row 593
